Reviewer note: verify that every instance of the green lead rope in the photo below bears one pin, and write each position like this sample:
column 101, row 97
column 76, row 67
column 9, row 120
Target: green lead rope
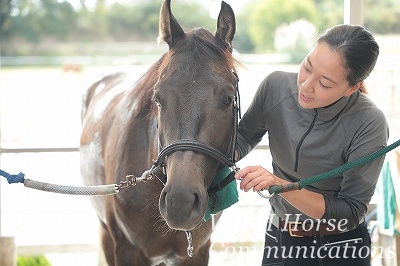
column 276, row 189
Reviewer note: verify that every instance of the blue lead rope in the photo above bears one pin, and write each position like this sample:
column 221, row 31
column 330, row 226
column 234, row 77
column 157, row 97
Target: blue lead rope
column 61, row 189
column 19, row 178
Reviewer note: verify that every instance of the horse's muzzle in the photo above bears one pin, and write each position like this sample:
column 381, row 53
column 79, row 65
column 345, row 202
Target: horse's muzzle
column 182, row 208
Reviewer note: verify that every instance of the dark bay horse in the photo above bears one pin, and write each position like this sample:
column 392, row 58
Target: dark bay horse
column 188, row 94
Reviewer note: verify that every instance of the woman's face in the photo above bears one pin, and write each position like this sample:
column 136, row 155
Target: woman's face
column 322, row 78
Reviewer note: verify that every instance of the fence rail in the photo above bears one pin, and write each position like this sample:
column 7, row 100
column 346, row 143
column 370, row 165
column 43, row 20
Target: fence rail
column 69, row 248
column 76, row 149
column 28, row 150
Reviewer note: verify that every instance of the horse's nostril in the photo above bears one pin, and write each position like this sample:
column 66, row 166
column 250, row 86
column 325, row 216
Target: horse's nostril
column 197, row 202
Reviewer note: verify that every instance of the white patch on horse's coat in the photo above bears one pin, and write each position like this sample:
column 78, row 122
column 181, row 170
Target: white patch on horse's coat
column 167, row 259
column 105, row 99
column 99, row 88
column 92, row 169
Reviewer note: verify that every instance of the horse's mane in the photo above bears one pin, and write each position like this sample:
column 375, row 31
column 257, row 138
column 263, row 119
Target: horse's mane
column 202, row 44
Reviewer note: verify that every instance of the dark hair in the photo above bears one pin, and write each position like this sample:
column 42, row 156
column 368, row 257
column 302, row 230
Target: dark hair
column 357, row 47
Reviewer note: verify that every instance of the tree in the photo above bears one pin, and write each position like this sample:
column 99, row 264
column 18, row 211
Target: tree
column 266, row 16
column 139, row 20
column 5, row 10
column 242, row 42
column 23, row 21
column 388, row 19
column 295, row 39
column 57, row 19
column 35, row 19
column 330, row 13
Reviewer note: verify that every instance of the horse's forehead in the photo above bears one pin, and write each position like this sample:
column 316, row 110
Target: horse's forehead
column 188, row 66
column 196, row 58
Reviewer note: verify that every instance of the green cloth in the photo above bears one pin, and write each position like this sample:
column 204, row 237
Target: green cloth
column 224, row 198
column 387, row 205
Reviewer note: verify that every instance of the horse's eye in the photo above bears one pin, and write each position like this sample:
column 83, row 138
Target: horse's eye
column 227, row 100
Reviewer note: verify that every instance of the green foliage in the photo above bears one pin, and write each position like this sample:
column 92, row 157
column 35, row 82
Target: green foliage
column 5, row 7
column 26, row 23
column 330, row 13
column 388, row 21
column 134, row 21
column 138, row 20
column 34, row 20
column 266, row 16
column 242, row 41
column 191, row 14
column 295, row 39
column 38, row 260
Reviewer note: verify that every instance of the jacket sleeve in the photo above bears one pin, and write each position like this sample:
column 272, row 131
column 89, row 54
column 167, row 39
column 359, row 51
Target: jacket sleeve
column 252, row 126
column 358, row 185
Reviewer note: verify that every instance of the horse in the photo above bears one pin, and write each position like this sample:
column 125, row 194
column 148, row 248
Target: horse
column 183, row 108
column 74, row 68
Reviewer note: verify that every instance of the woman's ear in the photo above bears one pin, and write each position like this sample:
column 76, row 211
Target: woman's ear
column 352, row 89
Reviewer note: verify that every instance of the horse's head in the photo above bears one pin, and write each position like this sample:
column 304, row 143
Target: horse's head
column 195, row 94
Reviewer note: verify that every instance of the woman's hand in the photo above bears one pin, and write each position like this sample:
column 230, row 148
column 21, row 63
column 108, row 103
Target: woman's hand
column 256, row 177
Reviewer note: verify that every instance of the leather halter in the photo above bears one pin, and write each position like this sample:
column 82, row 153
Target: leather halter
column 197, row 146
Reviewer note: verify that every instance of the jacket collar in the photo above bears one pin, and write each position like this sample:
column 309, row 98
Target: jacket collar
column 328, row 113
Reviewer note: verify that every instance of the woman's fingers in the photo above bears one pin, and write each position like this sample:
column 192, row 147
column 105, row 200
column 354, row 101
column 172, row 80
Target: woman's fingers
column 243, row 172
column 254, row 177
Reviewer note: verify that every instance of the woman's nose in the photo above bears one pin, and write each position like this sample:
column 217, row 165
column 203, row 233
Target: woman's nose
column 307, row 85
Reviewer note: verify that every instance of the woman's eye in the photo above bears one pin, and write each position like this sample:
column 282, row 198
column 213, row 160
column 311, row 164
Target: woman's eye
column 323, row 86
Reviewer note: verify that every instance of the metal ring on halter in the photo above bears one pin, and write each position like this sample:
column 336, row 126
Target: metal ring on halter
column 263, row 195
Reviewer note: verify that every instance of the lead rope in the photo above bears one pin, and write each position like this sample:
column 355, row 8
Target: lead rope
column 148, row 175
column 276, row 189
column 102, row 190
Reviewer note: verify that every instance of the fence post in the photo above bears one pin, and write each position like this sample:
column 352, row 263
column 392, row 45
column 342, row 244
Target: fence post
column 7, row 251
column 354, row 12
column 7, row 245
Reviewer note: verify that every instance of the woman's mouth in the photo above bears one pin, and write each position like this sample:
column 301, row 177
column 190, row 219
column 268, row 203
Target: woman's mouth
column 305, row 98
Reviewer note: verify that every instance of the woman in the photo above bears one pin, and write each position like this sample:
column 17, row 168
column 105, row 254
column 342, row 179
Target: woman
column 318, row 119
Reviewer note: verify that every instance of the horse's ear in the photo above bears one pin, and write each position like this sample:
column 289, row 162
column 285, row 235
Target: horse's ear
column 169, row 28
column 226, row 25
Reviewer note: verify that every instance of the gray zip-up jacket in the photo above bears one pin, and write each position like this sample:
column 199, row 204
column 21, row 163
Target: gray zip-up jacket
column 306, row 142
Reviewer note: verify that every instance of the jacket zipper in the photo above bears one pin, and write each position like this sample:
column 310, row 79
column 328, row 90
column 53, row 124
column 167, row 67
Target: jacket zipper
column 296, row 165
